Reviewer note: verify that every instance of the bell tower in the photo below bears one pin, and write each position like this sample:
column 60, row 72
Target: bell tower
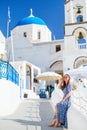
column 75, row 39
column 75, row 11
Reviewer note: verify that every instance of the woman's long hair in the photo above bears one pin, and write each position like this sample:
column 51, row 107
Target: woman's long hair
column 64, row 85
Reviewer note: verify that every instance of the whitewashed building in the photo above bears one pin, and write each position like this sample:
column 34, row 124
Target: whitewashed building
column 32, row 40
column 75, row 39
column 31, row 48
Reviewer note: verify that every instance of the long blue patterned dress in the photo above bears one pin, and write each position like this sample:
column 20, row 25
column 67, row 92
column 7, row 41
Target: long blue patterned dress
column 63, row 107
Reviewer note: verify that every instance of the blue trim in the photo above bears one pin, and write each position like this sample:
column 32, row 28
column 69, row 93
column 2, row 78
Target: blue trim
column 81, row 41
column 8, row 72
column 79, row 18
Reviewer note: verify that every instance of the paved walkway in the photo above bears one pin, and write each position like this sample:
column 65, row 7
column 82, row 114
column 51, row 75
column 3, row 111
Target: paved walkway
column 32, row 114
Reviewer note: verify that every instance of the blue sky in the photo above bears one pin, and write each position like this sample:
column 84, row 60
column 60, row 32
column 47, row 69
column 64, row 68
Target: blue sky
column 51, row 11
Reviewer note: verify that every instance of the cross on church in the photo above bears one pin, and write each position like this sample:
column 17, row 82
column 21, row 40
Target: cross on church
column 31, row 12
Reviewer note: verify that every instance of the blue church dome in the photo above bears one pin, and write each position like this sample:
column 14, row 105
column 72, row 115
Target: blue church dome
column 31, row 20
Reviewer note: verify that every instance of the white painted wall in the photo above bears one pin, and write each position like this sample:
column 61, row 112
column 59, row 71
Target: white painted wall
column 9, row 97
column 76, row 120
column 39, row 54
column 70, row 29
column 32, row 32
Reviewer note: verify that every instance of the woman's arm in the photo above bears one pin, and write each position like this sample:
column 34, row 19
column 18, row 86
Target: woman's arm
column 67, row 96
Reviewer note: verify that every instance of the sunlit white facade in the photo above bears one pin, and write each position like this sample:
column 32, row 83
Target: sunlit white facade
column 31, row 49
column 32, row 40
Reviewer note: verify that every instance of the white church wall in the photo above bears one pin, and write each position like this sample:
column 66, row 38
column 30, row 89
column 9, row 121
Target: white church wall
column 43, row 54
column 32, row 32
column 70, row 29
column 41, row 57
column 10, row 93
column 18, row 38
column 33, row 50
column 18, row 31
column 69, row 59
column 35, row 54
column 68, row 14
column 55, row 57
column 70, row 44
column 85, row 10
column 45, row 34
column 19, row 43
column 53, row 45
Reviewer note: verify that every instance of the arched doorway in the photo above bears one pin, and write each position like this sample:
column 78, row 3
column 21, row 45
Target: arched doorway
column 57, row 66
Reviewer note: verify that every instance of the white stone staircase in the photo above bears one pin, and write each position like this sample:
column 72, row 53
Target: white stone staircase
column 31, row 94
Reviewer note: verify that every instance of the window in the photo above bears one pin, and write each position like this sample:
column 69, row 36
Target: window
column 25, row 34
column 81, row 41
column 39, row 35
column 35, row 80
column 58, row 48
column 81, row 38
column 82, row 46
column 79, row 18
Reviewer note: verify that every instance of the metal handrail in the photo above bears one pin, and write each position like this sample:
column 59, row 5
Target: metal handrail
column 8, row 72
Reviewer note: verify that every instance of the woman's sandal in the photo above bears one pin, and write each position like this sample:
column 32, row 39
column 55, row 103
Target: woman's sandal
column 51, row 125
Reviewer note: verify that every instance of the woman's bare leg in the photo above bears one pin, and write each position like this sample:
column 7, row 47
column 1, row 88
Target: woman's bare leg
column 57, row 123
column 53, row 123
column 56, row 110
